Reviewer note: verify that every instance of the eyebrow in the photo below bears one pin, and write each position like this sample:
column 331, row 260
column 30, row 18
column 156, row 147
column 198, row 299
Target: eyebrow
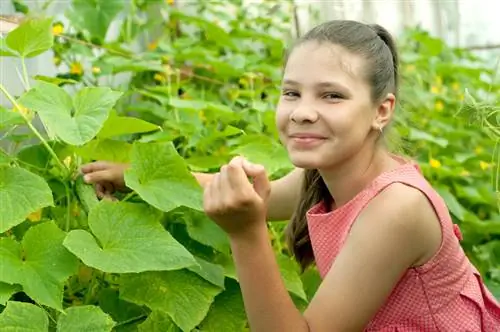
column 324, row 84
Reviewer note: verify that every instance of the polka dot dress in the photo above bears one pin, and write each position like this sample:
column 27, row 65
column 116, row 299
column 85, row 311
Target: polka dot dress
column 445, row 294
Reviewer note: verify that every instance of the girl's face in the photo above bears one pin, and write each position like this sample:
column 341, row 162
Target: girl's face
column 325, row 114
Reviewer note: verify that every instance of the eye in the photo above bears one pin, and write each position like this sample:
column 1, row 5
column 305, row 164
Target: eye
column 290, row 94
column 333, row 95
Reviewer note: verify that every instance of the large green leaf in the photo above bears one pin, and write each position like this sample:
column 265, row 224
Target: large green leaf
column 6, row 291
column 213, row 273
column 94, row 16
column 160, row 176
column 128, row 238
column 124, row 125
column 204, row 230
column 32, row 37
column 76, row 121
column 21, row 193
column 23, row 317
column 227, row 313
column 183, row 295
column 40, row 263
column 158, row 321
column 85, row 318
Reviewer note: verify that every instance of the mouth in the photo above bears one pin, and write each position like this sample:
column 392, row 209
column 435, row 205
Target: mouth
column 306, row 139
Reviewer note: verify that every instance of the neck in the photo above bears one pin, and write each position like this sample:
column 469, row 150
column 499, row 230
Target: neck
column 346, row 180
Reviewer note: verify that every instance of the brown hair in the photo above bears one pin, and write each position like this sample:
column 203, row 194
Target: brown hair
column 377, row 46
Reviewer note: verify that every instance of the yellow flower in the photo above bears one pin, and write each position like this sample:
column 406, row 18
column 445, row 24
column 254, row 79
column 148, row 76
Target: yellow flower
column 67, row 161
column 76, row 68
column 435, row 90
column 439, row 106
column 478, row 150
column 35, row 216
column 153, row 45
column 484, row 165
column 464, row 173
column 96, row 70
column 159, row 77
column 170, row 2
column 455, row 86
column 410, row 68
column 435, row 163
column 57, row 29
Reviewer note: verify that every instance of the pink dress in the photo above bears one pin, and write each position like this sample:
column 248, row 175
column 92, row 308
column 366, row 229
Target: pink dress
column 445, row 294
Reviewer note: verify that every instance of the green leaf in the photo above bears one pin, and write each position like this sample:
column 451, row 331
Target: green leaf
column 21, row 193
column 183, row 295
column 4, row 50
column 158, row 321
column 210, row 272
column 455, row 207
column 122, row 125
column 106, row 149
column 227, row 313
column 32, row 37
column 6, row 291
column 23, row 317
column 204, row 230
column 4, row 157
column 40, row 263
column 55, row 80
column 76, row 121
column 160, row 176
column 128, row 238
column 9, row 119
column 291, row 277
column 418, row 135
column 94, row 16
column 85, row 318
column 117, row 308
column 264, row 151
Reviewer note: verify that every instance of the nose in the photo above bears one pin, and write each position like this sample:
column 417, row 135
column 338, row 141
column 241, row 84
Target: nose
column 304, row 112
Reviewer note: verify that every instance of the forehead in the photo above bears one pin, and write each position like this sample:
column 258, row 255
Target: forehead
column 313, row 61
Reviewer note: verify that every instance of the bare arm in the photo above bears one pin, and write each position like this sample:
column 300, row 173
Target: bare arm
column 285, row 192
column 361, row 278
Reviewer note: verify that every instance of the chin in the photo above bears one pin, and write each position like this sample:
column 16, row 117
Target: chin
column 306, row 160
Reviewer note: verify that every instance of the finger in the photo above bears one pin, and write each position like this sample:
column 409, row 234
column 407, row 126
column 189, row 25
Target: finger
column 108, row 188
column 99, row 189
column 95, row 166
column 208, row 195
column 258, row 173
column 252, row 169
column 99, row 176
column 237, row 177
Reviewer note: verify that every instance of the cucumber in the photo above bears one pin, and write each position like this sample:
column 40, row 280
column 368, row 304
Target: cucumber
column 86, row 194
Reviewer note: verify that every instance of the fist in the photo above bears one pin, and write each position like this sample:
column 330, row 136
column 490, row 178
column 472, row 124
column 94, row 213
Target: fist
column 235, row 203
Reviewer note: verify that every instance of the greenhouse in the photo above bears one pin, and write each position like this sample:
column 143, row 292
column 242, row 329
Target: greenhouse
column 278, row 165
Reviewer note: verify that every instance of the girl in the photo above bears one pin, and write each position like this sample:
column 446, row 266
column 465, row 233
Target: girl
column 381, row 237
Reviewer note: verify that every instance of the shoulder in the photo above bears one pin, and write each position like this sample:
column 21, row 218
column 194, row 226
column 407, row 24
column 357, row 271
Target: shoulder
column 406, row 211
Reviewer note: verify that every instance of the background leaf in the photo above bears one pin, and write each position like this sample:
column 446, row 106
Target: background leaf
column 23, row 317
column 21, row 192
column 83, row 319
column 32, row 37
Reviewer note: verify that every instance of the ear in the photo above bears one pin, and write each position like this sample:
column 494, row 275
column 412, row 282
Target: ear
column 384, row 112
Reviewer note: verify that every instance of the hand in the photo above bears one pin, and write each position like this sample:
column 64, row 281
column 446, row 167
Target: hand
column 233, row 202
column 107, row 177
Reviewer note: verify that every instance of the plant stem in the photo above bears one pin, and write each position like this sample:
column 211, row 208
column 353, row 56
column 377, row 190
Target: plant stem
column 33, row 129
column 68, row 208
column 25, row 73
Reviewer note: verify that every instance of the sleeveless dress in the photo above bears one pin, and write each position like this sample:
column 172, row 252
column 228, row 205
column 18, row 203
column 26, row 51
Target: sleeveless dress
column 445, row 294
